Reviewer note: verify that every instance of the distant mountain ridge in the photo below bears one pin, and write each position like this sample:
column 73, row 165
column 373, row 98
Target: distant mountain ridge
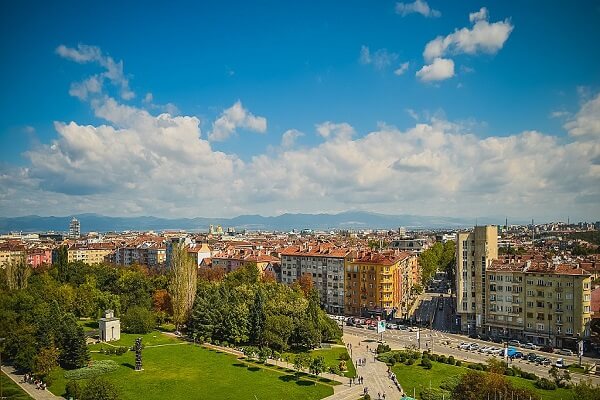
column 284, row 222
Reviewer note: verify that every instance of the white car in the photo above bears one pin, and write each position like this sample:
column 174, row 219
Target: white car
column 485, row 349
column 565, row 352
column 473, row 346
column 492, row 350
column 560, row 363
column 464, row 346
column 530, row 346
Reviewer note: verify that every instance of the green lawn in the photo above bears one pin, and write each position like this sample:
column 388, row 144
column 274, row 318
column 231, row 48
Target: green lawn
column 331, row 356
column 192, row 372
column 11, row 390
column 417, row 377
column 128, row 339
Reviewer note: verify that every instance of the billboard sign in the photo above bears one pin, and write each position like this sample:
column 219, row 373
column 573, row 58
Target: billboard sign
column 380, row 326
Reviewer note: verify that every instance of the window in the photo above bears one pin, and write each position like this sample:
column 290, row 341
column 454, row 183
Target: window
column 540, row 327
column 569, row 307
column 569, row 331
column 586, row 309
column 529, row 281
column 569, row 296
column 530, row 304
column 586, row 297
column 530, row 293
column 569, row 319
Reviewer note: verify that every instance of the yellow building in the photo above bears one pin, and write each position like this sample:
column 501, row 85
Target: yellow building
column 10, row 253
column 374, row 283
column 93, row 253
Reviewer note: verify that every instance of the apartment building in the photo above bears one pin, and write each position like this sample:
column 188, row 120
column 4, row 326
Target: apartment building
column 10, row 253
column 378, row 283
column 232, row 259
column 475, row 252
column 325, row 264
column 91, row 253
column 543, row 302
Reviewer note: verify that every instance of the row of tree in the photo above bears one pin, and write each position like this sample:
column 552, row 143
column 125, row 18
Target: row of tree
column 439, row 257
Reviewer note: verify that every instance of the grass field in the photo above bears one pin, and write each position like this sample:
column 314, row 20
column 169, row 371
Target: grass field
column 417, row 377
column 179, row 370
column 331, row 356
column 11, row 390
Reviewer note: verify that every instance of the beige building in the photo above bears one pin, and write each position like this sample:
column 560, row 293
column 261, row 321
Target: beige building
column 475, row 252
column 93, row 253
column 541, row 302
column 10, row 253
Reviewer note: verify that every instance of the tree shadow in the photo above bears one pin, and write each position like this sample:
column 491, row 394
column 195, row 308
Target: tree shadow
column 253, row 369
column 305, row 383
column 287, row 378
column 128, row 365
column 239, row 365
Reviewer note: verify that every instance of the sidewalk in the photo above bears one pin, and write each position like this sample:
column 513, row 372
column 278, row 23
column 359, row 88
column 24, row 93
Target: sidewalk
column 28, row 387
column 374, row 372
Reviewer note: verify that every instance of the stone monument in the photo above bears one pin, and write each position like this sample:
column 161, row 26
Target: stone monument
column 110, row 327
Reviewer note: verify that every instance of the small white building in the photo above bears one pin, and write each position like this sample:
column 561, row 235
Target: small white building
column 110, row 327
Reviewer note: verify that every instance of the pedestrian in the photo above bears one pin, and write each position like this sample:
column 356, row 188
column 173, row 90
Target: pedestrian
column 383, row 395
column 378, row 395
column 350, row 382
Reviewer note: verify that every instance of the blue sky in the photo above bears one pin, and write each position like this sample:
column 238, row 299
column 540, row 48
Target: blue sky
column 516, row 68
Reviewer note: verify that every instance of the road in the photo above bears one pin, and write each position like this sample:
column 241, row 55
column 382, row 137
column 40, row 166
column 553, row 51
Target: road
column 447, row 344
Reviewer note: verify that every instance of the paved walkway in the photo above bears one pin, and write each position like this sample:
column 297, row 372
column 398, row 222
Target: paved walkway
column 28, row 387
column 374, row 372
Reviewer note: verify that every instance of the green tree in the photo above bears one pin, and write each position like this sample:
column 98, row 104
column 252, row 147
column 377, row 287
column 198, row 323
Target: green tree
column 74, row 352
column 317, row 365
column 16, row 273
column 73, row 390
column 278, row 329
column 25, row 353
column 99, row 389
column 138, row 320
column 585, row 390
column 257, row 318
column 182, row 284
column 45, row 361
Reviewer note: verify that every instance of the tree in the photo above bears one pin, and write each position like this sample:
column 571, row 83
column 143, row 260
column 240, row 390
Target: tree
column 278, row 329
column 560, row 377
column 318, row 366
column 479, row 385
column 182, row 285
column 161, row 301
column 264, row 353
column 45, row 361
column 257, row 318
column 138, row 320
column 17, row 273
column 74, row 352
column 301, row 361
column 496, row 366
column 99, row 389
column 306, row 284
column 73, row 390
column 585, row 390
column 25, row 353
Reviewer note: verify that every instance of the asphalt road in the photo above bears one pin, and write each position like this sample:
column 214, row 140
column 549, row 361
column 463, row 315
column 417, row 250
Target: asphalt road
column 447, row 344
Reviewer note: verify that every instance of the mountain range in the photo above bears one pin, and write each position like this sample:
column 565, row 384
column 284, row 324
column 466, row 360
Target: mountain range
column 284, row 222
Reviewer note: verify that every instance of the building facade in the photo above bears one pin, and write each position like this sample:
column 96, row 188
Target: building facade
column 475, row 252
column 325, row 265
column 74, row 229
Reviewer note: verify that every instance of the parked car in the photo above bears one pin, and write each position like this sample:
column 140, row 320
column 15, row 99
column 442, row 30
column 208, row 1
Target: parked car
column 402, row 327
column 474, row 336
column 496, row 339
column 565, row 352
column 530, row 346
column 547, row 349
column 464, row 346
column 514, row 343
column 545, row 361
column 485, row 349
column 560, row 363
column 531, row 356
column 473, row 346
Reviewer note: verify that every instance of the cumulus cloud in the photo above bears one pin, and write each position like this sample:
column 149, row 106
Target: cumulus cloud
column 329, row 130
column 440, row 69
column 483, row 37
column 233, row 118
column 380, row 59
column 586, row 123
column 418, row 7
column 113, row 71
column 288, row 139
column 402, row 68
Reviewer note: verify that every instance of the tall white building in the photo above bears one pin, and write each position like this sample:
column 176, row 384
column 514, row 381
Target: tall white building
column 475, row 252
column 74, row 229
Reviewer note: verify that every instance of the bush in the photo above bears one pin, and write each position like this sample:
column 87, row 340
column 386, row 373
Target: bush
column 99, row 389
column 426, row 363
column 334, row 369
column 442, row 359
column 545, row 384
column 509, row 372
column 477, row 367
column 73, row 390
column 383, row 348
column 528, row 375
column 345, row 356
column 434, row 357
column 138, row 320
column 451, row 360
column 410, row 361
column 96, row 368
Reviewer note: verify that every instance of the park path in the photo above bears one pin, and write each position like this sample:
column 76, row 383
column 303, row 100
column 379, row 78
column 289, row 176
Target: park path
column 28, row 387
column 374, row 373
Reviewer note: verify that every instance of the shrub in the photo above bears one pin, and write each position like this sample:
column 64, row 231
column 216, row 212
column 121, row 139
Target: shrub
column 442, row 358
column 451, row 360
column 138, row 320
column 434, row 357
column 121, row 350
column 383, row 348
column 99, row 389
column 509, row 372
column 224, row 343
column 426, row 363
column 458, row 363
column 345, row 356
column 73, row 390
column 335, row 369
column 96, row 368
column 528, row 375
column 545, row 384
column 410, row 361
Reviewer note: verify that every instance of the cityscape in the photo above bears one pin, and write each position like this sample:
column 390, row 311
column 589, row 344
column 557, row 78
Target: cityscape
column 264, row 201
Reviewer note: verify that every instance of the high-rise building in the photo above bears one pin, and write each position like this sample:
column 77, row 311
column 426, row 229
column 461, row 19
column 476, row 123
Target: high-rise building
column 475, row 252
column 74, row 229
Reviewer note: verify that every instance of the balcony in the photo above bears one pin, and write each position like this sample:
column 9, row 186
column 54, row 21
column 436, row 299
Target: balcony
column 558, row 289
column 559, row 310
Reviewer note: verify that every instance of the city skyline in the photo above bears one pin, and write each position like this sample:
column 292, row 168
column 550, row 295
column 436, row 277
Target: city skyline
column 397, row 108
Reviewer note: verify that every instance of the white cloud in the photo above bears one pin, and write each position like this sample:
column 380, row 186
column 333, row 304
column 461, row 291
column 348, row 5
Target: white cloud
column 440, row 69
column 235, row 117
column 329, row 130
column 113, row 71
column 586, row 123
column 288, row 139
column 483, row 37
column 380, row 59
column 419, row 7
column 480, row 15
column 402, row 68
column 148, row 98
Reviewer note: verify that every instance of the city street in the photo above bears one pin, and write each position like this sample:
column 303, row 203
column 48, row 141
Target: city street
column 447, row 344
